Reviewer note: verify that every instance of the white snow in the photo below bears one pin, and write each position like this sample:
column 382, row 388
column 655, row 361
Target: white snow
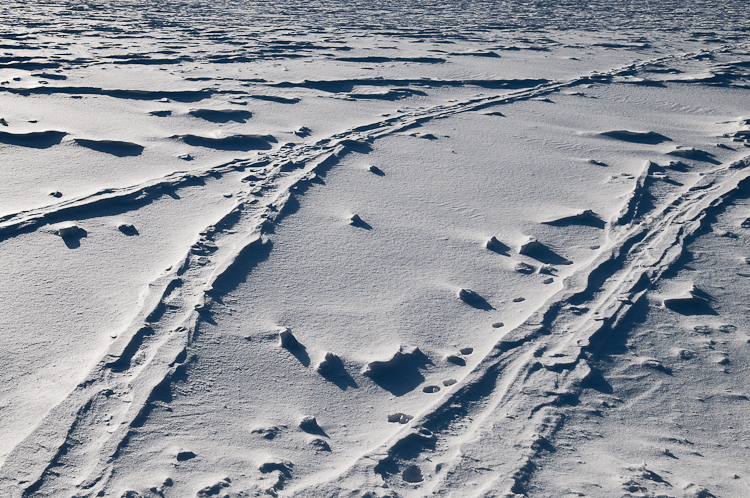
column 381, row 250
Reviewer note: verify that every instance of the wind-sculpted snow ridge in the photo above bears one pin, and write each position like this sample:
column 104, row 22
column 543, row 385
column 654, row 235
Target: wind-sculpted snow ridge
column 519, row 392
column 177, row 96
column 140, row 366
column 335, row 86
column 35, row 140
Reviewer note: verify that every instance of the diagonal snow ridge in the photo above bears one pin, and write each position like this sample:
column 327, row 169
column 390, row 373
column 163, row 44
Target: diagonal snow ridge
column 142, row 361
column 131, row 198
column 551, row 349
column 118, row 394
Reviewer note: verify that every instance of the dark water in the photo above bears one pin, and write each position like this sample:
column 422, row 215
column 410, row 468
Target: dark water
column 210, row 19
column 78, row 33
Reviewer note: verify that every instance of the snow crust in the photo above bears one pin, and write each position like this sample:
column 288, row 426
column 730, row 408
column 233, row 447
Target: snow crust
column 381, row 250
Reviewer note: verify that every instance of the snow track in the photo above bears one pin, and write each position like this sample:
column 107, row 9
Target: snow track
column 517, row 393
column 549, row 350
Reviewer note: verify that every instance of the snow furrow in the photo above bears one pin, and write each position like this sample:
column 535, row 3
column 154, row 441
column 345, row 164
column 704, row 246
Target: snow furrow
column 135, row 368
column 548, row 352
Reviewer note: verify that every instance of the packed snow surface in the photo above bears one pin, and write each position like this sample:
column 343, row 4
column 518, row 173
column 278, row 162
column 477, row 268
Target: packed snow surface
column 374, row 249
